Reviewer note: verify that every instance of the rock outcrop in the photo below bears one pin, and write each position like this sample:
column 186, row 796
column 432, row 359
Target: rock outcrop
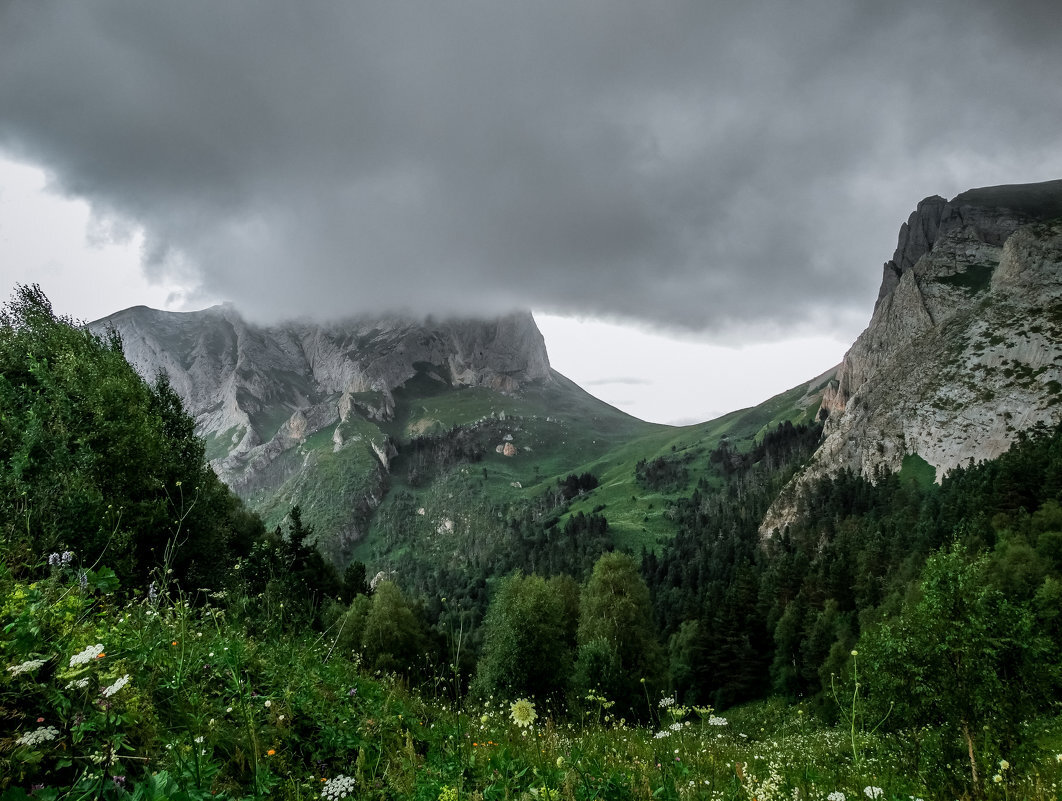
column 964, row 348
column 260, row 393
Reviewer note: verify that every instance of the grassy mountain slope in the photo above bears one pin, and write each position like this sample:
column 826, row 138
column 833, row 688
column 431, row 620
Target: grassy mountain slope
column 467, row 511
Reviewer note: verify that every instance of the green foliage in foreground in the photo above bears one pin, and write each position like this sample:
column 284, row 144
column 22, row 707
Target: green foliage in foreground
column 142, row 699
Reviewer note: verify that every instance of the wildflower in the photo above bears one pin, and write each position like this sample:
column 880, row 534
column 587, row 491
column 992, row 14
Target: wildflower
column 523, row 712
column 271, row 752
column 26, row 667
column 873, row 792
column 87, row 655
column 64, row 559
column 836, row 795
column 339, row 787
column 997, row 778
column 268, row 704
column 1004, row 766
column 856, row 653
column 715, row 720
column 199, row 739
column 666, row 702
column 560, row 763
column 153, row 592
column 107, row 692
column 78, row 684
column 42, row 735
column 484, row 718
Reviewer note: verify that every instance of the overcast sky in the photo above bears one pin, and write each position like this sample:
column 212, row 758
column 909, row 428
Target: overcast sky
column 728, row 177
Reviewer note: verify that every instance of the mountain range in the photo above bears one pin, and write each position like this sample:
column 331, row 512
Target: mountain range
column 364, row 421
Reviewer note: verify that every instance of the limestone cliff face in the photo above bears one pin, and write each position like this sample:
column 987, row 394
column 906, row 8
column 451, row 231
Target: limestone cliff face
column 259, row 393
column 964, row 348
column 229, row 371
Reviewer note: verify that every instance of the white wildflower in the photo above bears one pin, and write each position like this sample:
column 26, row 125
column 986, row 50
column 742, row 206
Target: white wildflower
column 675, row 727
column 667, row 701
column 339, row 787
column 107, row 692
column 26, row 667
column 522, row 712
column 42, row 735
column 661, row 734
column 715, row 720
column 873, row 792
column 836, row 795
column 87, row 655
column 78, row 684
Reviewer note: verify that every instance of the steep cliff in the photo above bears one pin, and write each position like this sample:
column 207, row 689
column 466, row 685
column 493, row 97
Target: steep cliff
column 964, row 348
column 299, row 403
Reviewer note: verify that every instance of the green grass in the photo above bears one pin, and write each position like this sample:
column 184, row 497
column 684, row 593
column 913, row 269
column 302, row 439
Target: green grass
column 917, row 470
column 211, row 711
column 329, row 486
column 219, row 445
column 976, row 278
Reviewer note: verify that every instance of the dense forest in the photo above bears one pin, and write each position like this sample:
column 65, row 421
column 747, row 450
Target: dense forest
column 891, row 605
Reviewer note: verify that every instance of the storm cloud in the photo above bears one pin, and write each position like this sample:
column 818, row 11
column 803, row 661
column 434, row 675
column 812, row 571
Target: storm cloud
column 735, row 169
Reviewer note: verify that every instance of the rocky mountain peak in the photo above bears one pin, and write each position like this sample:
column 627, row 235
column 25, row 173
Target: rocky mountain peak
column 256, row 391
column 915, row 240
column 964, row 348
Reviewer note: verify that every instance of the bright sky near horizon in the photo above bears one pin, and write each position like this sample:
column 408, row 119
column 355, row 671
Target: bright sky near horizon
column 695, row 198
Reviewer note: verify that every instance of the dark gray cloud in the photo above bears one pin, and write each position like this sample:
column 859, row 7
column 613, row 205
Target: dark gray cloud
column 738, row 169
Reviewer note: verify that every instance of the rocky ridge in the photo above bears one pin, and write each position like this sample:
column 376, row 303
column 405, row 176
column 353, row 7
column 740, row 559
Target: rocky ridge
column 258, row 393
column 964, row 348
